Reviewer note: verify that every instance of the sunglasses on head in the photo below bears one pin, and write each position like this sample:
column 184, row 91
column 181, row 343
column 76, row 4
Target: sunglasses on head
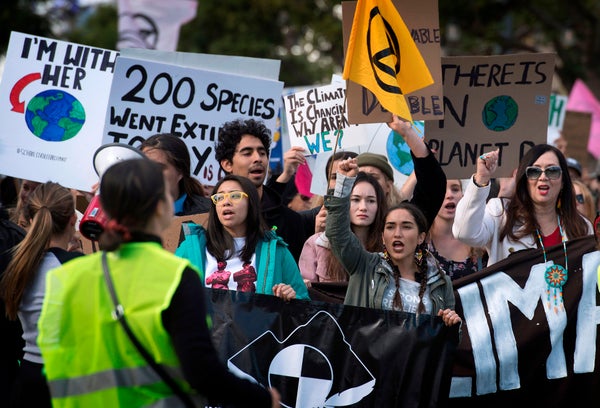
column 233, row 196
column 535, row 172
column 579, row 198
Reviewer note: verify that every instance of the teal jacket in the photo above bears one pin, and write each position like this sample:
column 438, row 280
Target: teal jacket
column 274, row 262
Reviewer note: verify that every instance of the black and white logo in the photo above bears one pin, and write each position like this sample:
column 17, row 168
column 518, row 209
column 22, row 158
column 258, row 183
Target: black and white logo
column 302, row 365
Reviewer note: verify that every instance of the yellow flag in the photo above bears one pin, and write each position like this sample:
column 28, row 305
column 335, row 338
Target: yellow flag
column 383, row 57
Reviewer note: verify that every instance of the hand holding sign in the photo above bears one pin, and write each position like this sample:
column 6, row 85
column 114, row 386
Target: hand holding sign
column 410, row 136
column 291, row 160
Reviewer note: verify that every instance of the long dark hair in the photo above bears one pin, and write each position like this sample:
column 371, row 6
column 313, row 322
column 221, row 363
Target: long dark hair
column 220, row 243
column 374, row 243
column 51, row 207
column 335, row 269
column 421, row 255
column 178, row 156
column 520, row 209
column 130, row 190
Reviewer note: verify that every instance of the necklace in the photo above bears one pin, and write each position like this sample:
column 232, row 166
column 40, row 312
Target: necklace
column 555, row 276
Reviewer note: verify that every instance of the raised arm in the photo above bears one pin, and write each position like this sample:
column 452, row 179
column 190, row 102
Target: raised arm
column 472, row 223
column 430, row 186
column 343, row 243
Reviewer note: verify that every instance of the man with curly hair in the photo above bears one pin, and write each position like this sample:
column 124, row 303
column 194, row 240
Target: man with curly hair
column 242, row 149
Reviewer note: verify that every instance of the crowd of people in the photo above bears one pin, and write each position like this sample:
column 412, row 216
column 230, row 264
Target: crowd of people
column 397, row 248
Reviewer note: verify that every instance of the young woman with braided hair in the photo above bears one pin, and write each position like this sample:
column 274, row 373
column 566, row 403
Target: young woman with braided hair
column 417, row 266
column 405, row 277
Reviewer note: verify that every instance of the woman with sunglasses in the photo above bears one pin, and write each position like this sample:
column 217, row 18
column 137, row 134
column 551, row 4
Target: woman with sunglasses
column 540, row 213
column 237, row 251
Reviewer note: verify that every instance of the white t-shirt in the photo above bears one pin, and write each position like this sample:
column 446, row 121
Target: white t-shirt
column 224, row 279
column 409, row 292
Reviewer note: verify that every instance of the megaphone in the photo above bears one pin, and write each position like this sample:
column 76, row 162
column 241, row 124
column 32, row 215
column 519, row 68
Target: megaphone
column 94, row 219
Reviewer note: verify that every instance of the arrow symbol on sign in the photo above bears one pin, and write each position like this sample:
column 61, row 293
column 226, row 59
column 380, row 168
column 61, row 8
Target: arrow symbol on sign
column 15, row 92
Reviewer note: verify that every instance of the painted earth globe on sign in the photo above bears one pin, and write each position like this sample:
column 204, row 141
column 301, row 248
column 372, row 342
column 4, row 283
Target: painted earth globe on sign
column 500, row 113
column 398, row 151
column 54, row 115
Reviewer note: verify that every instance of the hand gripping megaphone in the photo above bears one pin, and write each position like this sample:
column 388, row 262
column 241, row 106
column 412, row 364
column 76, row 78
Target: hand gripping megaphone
column 94, row 219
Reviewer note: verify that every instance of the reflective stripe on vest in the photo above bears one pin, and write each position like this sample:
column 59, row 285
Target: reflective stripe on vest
column 124, row 377
column 174, row 402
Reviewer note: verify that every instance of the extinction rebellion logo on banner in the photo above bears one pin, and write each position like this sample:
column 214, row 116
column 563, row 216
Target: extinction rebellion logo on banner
column 303, row 365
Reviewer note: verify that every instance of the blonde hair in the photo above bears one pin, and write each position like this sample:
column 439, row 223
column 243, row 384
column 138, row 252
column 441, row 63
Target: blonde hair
column 50, row 207
column 588, row 200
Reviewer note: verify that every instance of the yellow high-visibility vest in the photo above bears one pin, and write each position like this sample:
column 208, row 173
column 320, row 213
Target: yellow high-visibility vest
column 89, row 359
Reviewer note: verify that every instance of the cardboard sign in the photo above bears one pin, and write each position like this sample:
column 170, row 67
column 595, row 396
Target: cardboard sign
column 582, row 99
column 576, row 131
column 53, row 98
column 491, row 102
column 170, row 236
column 422, row 19
column 317, row 119
column 149, row 97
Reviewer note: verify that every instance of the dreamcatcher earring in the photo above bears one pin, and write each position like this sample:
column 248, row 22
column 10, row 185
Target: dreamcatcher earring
column 419, row 256
column 386, row 256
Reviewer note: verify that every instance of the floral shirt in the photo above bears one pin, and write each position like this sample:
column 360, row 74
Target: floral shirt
column 459, row 269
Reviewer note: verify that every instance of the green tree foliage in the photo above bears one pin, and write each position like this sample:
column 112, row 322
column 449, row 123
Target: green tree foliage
column 98, row 28
column 22, row 16
column 307, row 35
column 569, row 28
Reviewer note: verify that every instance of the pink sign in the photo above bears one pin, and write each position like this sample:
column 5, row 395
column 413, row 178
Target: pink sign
column 581, row 99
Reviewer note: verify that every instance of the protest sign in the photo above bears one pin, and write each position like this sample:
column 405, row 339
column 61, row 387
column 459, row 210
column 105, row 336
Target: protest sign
column 54, row 96
column 317, row 120
column 582, row 99
column 233, row 64
column 491, row 102
column 149, row 97
column 381, row 140
column 576, row 131
column 556, row 116
column 422, row 19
